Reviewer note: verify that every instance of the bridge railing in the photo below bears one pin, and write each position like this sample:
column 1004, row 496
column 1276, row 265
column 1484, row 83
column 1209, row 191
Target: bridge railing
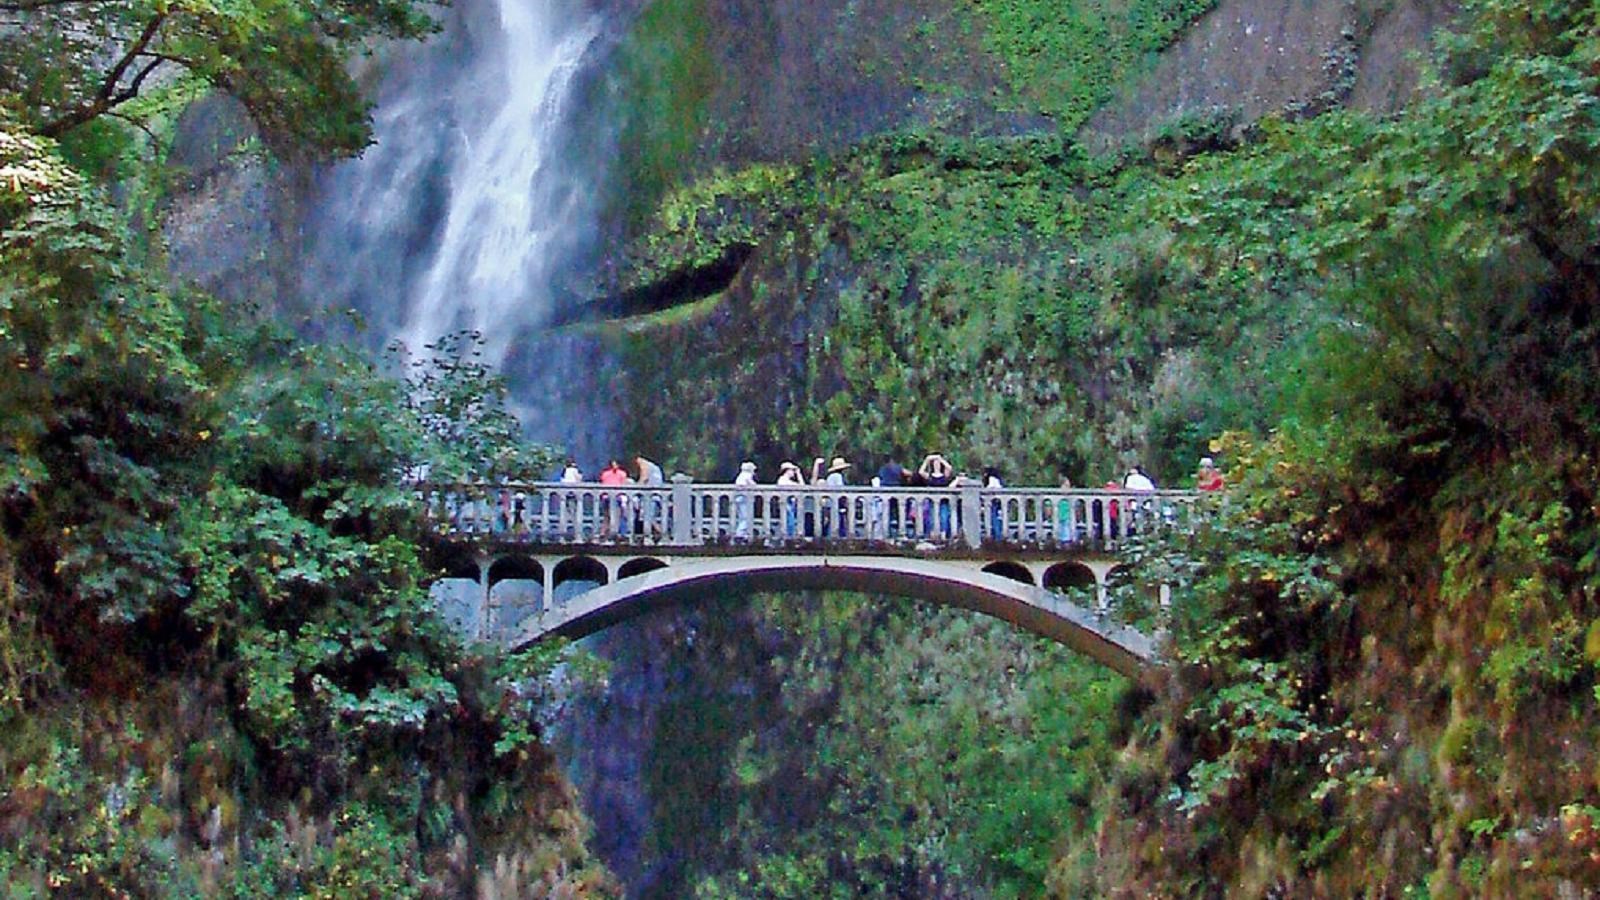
column 696, row 515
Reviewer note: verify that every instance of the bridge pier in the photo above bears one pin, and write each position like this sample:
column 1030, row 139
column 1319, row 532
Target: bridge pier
column 485, row 596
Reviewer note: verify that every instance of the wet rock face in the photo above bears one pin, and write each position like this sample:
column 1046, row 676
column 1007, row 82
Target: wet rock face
column 798, row 75
column 1256, row 57
column 224, row 218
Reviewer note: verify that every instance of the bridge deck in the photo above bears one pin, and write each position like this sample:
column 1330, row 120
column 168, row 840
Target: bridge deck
column 543, row 558
column 761, row 518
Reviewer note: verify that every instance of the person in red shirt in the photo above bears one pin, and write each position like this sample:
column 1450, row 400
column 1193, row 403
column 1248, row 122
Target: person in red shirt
column 1209, row 478
column 614, row 475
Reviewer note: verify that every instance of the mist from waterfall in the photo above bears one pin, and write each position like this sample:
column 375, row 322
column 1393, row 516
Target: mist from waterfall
column 464, row 211
column 468, row 212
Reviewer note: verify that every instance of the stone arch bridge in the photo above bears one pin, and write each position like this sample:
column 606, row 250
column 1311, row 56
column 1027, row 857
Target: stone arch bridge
column 524, row 561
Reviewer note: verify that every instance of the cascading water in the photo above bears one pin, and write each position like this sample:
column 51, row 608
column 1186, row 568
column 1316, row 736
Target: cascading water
column 465, row 214
column 509, row 208
column 465, row 210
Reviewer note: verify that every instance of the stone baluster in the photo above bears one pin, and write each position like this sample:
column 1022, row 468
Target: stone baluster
column 682, row 508
column 971, row 509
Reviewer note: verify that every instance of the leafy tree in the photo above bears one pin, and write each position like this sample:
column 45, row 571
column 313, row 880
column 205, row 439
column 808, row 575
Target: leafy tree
column 195, row 508
column 64, row 63
column 1389, row 652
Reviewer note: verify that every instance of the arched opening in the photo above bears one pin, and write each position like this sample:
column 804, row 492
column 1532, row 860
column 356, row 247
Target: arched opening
column 638, row 567
column 575, row 576
column 579, row 568
column 515, row 568
column 1012, row 570
column 454, row 562
column 588, row 609
column 516, row 586
column 457, row 593
column 1067, row 576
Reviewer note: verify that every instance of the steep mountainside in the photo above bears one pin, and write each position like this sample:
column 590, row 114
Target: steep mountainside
column 1058, row 238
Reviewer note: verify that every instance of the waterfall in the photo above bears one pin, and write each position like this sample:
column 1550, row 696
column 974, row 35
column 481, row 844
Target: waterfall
column 508, row 209
column 464, row 210
column 465, row 214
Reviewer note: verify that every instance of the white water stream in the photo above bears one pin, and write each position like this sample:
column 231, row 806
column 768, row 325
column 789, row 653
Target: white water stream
column 507, row 209
column 460, row 214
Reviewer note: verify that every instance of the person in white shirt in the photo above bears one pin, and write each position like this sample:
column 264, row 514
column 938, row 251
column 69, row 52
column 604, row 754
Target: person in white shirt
column 570, row 506
column 741, row 502
column 789, row 476
column 1137, row 480
column 835, row 478
column 649, row 473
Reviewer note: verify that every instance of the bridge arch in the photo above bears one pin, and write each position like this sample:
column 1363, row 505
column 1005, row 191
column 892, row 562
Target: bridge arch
column 639, row 566
column 1015, row 571
column 1022, row 604
column 580, row 568
column 1069, row 575
column 515, row 568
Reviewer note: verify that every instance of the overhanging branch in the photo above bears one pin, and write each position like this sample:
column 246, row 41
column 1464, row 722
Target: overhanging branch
column 112, row 93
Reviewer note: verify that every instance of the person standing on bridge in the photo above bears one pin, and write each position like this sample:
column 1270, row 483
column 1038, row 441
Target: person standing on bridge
column 1066, row 516
column 936, row 472
column 892, row 475
column 835, row 479
column 1137, row 479
column 1209, row 478
column 992, row 482
column 789, row 476
column 616, row 517
column 741, row 502
column 571, row 505
column 650, row 475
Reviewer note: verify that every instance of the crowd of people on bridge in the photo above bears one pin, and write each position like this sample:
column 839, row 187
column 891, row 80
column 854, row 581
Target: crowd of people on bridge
column 803, row 517
column 935, row 471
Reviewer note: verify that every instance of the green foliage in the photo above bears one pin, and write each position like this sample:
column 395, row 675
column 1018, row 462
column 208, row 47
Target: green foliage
column 947, row 749
column 1430, row 485
column 185, row 493
column 1389, row 651
column 64, row 66
column 664, row 73
column 1065, row 59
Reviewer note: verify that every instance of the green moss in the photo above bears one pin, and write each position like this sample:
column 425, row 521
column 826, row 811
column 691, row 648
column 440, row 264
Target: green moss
column 664, row 75
column 1066, row 58
column 644, row 325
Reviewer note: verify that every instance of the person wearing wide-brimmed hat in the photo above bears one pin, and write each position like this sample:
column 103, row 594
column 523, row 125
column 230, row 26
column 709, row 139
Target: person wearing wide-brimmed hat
column 836, row 479
column 836, row 471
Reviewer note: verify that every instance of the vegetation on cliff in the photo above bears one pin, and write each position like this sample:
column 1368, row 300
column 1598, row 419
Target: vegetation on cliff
column 1387, row 675
column 1389, row 680
column 219, row 672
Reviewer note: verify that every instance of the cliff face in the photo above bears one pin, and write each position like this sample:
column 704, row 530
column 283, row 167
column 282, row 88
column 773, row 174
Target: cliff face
column 746, row 82
column 1252, row 58
column 752, row 355
column 882, row 296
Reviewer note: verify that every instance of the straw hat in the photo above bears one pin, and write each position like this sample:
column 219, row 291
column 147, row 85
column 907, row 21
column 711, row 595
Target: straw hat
column 839, row 465
column 787, row 466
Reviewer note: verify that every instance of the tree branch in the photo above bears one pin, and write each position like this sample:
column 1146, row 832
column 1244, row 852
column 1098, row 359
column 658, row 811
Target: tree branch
column 109, row 95
column 31, row 5
column 113, row 114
